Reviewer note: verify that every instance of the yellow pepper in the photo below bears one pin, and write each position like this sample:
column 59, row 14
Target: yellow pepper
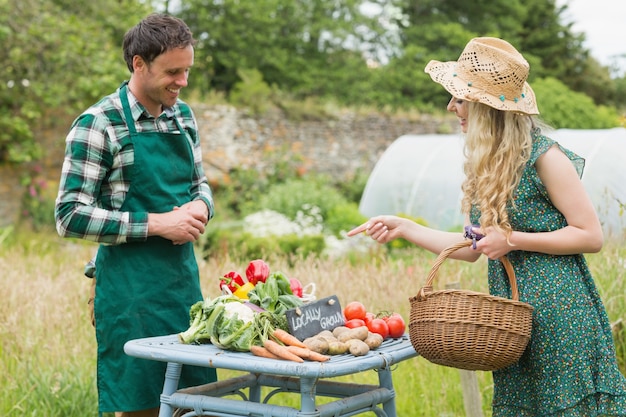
column 242, row 292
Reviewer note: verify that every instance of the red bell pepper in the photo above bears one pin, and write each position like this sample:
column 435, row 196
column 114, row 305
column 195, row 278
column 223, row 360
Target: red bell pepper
column 296, row 287
column 257, row 271
column 232, row 280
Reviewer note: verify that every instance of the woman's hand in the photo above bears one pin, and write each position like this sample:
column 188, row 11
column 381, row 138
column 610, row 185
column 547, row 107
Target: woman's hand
column 382, row 229
column 494, row 244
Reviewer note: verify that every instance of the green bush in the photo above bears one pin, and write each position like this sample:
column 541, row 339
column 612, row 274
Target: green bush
column 236, row 195
column 352, row 188
column 343, row 217
column 251, row 92
column 238, row 244
column 561, row 107
column 292, row 213
column 301, row 247
column 290, row 197
column 37, row 200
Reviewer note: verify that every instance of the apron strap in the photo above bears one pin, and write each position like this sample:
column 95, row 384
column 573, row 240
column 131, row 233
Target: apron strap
column 128, row 116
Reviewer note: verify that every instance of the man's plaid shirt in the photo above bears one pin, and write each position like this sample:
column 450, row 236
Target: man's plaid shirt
column 97, row 168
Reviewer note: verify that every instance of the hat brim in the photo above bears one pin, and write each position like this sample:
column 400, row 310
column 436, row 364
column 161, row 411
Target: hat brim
column 444, row 73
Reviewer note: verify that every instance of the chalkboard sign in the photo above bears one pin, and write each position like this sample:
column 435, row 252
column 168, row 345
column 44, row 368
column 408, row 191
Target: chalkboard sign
column 311, row 318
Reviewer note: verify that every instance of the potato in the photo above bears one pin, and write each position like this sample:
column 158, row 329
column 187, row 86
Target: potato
column 337, row 348
column 359, row 333
column 373, row 340
column 327, row 335
column 340, row 329
column 357, row 347
column 316, row 344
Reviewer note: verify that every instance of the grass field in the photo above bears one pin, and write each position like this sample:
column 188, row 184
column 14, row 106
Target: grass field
column 47, row 347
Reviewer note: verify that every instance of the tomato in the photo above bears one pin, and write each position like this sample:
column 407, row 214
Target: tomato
column 368, row 317
column 387, row 316
column 396, row 326
column 354, row 323
column 354, row 310
column 379, row 326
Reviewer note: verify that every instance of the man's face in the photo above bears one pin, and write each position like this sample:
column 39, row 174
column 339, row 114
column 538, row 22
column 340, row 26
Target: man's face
column 158, row 84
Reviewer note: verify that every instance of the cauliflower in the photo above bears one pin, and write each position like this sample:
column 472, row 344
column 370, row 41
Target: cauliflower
column 237, row 310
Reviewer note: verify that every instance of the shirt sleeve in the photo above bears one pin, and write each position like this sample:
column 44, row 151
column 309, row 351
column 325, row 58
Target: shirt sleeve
column 87, row 206
column 200, row 187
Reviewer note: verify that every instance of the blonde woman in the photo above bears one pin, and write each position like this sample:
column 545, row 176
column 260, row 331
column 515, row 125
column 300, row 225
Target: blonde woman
column 523, row 192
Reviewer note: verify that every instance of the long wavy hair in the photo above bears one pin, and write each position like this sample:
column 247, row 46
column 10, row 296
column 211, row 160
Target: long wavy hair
column 497, row 147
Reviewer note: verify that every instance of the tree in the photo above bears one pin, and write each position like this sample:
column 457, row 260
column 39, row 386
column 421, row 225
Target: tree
column 536, row 27
column 300, row 46
column 58, row 55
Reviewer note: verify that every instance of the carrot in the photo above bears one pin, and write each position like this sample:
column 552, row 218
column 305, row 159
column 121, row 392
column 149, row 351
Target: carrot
column 262, row 352
column 306, row 353
column 287, row 338
column 281, row 351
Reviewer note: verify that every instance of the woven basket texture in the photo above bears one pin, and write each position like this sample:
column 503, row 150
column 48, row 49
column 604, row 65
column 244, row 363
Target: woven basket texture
column 469, row 330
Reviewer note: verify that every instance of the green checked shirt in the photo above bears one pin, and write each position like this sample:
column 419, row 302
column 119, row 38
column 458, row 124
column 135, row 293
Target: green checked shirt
column 97, row 168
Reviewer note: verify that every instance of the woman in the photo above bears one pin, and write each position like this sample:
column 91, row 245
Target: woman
column 523, row 192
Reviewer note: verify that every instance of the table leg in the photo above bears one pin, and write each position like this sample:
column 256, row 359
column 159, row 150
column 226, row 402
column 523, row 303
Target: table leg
column 254, row 391
column 385, row 380
column 172, row 375
column 307, row 397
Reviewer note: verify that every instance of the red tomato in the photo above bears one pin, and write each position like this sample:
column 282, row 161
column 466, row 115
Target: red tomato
column 368, row 317
column 379, row 326
column 396, row 326
column 388, row 316
column 354, row 310
column 354, row 323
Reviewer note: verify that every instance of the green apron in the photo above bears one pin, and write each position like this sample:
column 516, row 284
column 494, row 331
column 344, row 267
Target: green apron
column 146, row 288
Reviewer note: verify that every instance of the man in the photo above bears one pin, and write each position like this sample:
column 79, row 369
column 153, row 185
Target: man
column 132, row 180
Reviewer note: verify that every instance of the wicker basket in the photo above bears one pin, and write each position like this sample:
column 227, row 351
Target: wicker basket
column 469, row 330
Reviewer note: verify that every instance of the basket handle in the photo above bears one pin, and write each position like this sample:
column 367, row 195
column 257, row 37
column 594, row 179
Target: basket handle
column 428, row 287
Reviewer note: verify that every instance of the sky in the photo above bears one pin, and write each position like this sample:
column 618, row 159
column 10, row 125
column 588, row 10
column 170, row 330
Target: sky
column 602, row 22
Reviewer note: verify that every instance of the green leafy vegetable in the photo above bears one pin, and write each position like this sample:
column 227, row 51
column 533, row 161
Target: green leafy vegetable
column 275, row 294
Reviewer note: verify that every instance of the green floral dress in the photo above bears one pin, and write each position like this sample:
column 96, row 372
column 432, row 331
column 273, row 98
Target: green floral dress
column 569, row 367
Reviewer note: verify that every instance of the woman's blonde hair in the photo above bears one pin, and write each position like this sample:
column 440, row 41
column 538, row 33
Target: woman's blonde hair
column 497, row 147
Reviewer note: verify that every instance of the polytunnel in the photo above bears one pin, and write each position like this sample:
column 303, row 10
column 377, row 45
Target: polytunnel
column 421, row 176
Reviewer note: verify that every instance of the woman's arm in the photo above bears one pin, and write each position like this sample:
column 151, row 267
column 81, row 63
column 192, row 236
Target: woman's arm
column 384, row 229
column 583, row 233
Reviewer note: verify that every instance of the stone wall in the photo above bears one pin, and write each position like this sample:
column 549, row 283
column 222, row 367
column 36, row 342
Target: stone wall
column 339, row 146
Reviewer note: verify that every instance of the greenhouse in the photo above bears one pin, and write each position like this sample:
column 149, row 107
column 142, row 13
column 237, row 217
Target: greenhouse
column 421, row 175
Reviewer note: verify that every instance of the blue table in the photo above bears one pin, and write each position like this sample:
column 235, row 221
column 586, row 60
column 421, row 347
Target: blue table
column 306, row 378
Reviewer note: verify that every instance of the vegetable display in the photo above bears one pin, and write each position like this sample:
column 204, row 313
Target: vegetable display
column 250, row 316
column 230, row 323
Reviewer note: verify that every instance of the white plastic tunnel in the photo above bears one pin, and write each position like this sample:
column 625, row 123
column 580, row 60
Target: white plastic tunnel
column 421, row 176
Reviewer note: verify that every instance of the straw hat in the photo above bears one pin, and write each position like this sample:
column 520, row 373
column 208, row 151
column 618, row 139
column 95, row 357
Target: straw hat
column 489, row 71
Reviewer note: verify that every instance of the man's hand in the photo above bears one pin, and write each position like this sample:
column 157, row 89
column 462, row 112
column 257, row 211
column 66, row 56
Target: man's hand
column 198, row 209
column 181, row 225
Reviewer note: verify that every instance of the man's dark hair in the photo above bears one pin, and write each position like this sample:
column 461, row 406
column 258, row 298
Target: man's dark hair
column 154, row 35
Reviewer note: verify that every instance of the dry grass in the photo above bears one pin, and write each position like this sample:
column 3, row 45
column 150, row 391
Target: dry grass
column 48, row 349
